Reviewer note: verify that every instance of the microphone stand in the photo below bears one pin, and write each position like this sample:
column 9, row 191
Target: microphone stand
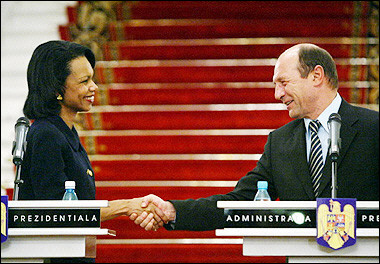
column 334, row 170
column 18, row 157
column 334, row 145
column 17, row 181
column 334, row 176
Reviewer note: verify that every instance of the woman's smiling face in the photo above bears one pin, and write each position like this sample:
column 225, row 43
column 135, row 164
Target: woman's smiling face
column 80, row 87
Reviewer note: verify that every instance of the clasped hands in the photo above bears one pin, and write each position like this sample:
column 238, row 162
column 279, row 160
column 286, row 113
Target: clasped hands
column 151, row 212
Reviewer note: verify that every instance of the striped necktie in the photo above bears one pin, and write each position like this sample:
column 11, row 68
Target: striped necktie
column 316, row 157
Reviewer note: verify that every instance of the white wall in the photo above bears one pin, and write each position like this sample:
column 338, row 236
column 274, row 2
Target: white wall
column 24, row 25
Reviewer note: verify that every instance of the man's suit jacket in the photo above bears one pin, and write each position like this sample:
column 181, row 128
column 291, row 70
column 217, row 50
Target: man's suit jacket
column 284, row 165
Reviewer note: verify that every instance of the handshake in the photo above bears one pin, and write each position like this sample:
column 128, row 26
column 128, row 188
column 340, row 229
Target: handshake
column 151, row 212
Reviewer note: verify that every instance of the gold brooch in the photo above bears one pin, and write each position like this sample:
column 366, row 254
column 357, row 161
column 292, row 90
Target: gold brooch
column 89, row 172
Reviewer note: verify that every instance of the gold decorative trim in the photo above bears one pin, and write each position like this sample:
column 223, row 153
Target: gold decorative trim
column 97, row 120
column 108, row 74
column 102, row 95
column 81, row 121
column 114, row 51
column 90, row 145
column 119, row 30
column 354, row 70
column 373, row 52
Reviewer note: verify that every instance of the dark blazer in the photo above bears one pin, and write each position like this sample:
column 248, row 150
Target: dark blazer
column 54, row 155
column 284, row 165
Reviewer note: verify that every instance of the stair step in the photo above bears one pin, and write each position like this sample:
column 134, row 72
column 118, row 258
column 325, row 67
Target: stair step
column 227, row 9
column 177, row 253
column 174, row 144
column 222, row 48
column 233, row 28
column 258, row 70
column 228, row 28
column 199, row 93
column 165, row 192
column 166, row 170
column 184, row 93
column 235, row 9
column 165, row 120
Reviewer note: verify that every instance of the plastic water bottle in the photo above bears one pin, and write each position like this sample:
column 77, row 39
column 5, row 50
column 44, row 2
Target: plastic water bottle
column 262, row 191
column 70, row 191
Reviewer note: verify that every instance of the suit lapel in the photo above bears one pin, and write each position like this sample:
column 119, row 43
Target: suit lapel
column 347, row 134
column 347, row 131
column 297, row 157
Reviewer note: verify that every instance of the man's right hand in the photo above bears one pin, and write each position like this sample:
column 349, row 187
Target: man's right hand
column 143, row 220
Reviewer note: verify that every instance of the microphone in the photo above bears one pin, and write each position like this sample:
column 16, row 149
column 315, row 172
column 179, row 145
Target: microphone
column 334, row 140
column 19, row 145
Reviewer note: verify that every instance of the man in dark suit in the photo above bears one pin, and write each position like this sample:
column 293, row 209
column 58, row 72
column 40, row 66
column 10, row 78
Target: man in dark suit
column 306, row 81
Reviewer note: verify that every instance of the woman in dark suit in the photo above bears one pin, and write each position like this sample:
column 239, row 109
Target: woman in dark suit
column 60, row 81
column 60, row 85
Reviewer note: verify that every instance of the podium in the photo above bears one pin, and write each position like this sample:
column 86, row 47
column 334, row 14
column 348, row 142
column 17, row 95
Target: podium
column 41, row 229
column 268, row 230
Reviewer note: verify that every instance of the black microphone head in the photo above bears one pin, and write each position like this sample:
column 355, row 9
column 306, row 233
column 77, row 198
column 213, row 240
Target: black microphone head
column 19, row 145
column 22, row 120
column 335, row 117
column 334, row 124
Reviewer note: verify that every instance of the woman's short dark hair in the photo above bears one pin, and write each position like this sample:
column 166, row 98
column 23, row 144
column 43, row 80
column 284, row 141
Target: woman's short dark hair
column 311, row 56
column 47, row 72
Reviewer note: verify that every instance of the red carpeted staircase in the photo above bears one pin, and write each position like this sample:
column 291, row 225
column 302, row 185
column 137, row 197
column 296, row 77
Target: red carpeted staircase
column 186, row 101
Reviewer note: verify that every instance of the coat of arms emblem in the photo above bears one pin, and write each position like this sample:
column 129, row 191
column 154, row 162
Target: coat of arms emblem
column 4, row 218
column 336, row 228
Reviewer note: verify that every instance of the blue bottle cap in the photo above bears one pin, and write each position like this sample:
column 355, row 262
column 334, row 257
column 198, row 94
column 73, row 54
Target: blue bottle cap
column 262, row 185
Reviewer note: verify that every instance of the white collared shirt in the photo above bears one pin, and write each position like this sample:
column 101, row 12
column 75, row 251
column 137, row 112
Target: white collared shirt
column 323, row 132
